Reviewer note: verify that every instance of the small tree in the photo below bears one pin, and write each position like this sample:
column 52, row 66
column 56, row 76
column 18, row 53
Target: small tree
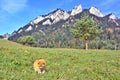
column 85, row 29
column 26, row 40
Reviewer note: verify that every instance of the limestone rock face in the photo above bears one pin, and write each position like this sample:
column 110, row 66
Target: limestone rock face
column 29, row 28
column 112, row 16
column 37, row 20
column 58, row 15
column 47, row 22
column 95, row 11
column 76, row 10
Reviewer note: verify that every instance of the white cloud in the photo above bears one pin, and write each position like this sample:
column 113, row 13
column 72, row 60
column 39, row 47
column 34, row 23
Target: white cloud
column 13, row 6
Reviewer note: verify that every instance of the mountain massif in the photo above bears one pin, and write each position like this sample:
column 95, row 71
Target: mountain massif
column 53, row 29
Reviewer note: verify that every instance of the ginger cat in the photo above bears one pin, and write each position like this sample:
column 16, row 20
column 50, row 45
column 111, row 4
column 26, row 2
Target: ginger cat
column 39, row 65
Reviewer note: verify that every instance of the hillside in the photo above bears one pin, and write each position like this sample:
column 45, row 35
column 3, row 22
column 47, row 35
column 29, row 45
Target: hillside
column 8, row 44
column 16, row 62
column 53, row 29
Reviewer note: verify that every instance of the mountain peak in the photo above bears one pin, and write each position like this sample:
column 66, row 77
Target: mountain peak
column 57, row 10
column 95, row 11
column 56, row 16
column 77, row 9
column 112, row 16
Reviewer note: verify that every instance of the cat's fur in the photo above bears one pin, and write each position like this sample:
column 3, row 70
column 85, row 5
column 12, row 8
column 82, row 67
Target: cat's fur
column 39, row 66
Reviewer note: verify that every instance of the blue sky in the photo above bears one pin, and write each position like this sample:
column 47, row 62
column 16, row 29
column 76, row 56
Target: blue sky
column 17, row 13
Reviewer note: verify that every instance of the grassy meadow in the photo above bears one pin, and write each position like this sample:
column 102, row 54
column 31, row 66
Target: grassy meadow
column 16, row 63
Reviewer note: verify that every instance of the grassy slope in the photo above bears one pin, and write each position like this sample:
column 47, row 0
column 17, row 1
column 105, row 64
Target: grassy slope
column 16, row 63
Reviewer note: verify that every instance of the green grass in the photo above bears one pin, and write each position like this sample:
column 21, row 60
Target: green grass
column 16, row 63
